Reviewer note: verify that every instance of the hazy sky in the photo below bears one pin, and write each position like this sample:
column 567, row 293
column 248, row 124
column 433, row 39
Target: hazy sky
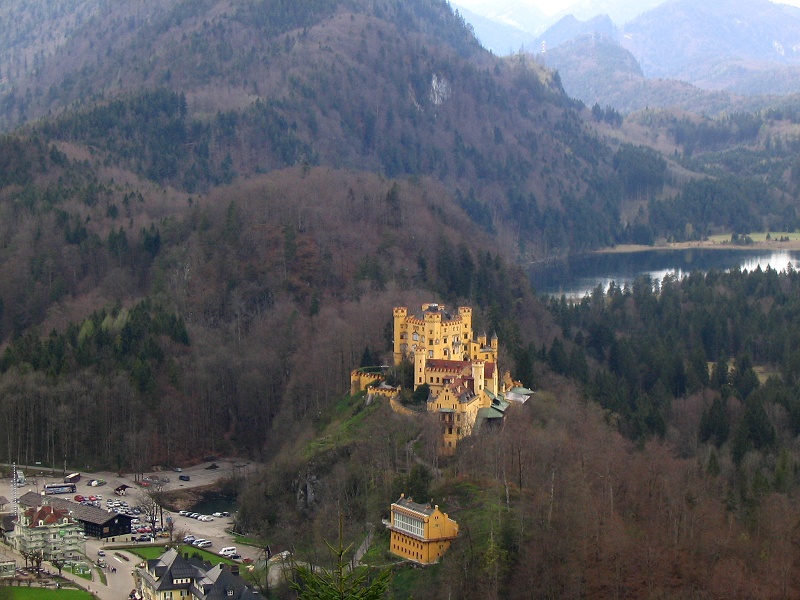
column 551, row 7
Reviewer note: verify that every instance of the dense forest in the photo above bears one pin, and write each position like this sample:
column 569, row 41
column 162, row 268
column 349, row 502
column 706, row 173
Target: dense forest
column 658, row 456
column 194, row 254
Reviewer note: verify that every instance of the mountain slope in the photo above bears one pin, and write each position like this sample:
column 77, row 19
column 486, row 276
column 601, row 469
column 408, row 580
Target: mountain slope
column 597, row 70
column 397, row 87
column 568, row 28
column 716, row 44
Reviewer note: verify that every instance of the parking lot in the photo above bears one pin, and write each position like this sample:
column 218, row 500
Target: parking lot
column 198, row 476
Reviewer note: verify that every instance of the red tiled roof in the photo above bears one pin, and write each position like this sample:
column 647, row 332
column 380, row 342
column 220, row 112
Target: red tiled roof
column 452, row 366
column 48, row 514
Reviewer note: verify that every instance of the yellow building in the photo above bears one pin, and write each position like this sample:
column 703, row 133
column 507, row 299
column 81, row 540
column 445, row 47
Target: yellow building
column 460, row 370
column 418, row 532
column 434, row 333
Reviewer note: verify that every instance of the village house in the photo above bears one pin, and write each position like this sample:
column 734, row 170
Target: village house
column 419, row 532
column 49, row 530
column 173, row 576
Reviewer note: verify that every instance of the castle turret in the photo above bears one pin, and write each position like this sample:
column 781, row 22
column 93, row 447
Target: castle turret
column 400, row 333
column 419, row 368
column 466, row 320
column 477, row 374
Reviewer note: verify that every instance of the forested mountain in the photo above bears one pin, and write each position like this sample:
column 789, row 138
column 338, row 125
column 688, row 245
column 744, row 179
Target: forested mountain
column 398, row 87
column 208, row 209
column 253, row 201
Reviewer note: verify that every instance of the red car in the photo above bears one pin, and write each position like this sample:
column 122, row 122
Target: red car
column 79, row 498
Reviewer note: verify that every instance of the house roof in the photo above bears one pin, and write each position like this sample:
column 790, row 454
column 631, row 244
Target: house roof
column 215, row 583
column 226, row 586
column 489, row 413
column 88, row 514
column 29, row 499
column 409, row 504
column 452, row 366
column 3, row 500
column 47, row 515
column 8, row 522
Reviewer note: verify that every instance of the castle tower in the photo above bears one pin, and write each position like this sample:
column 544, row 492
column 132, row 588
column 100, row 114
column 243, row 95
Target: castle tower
column 478, row 374
column 466, row 320
column 419, row 368
column 400, row 346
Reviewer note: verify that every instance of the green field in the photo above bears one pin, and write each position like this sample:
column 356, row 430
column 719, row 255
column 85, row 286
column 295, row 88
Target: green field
column 246, row 541
column 80, row 570
column 33, row 593
column 151, row 552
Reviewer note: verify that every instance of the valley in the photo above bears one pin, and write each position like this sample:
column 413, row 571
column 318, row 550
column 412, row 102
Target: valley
column 210, row 212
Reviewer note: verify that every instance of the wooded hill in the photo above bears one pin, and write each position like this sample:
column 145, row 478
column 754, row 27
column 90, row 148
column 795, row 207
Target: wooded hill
column 196, row 250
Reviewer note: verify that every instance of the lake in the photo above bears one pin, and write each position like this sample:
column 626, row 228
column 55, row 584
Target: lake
column 215, row 502
column 577, row 276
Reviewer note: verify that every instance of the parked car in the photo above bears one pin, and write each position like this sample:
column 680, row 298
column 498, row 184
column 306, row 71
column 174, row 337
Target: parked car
column 183, row 477
column 144, row 538
column 183, row 513
column 177, row 469
column 204, row 544
column 100, row 553
column 189, row 539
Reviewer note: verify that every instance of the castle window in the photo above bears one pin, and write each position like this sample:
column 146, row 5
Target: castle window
column 430, row 342
column 445, row 340
column 415, row 337
column 430, row 353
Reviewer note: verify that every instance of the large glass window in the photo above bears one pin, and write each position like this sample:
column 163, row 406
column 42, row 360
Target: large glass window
column 408, row 524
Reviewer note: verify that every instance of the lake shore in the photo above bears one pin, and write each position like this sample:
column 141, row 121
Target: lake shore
column 711, row 244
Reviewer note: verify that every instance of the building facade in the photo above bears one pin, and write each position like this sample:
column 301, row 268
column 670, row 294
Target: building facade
column 172, row 577
column 460, row 370
column 419, row 532
column 96, row 522
column 49, row 530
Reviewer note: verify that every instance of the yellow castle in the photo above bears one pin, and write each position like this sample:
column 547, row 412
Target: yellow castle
column 419, row 532
column 460, row 370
